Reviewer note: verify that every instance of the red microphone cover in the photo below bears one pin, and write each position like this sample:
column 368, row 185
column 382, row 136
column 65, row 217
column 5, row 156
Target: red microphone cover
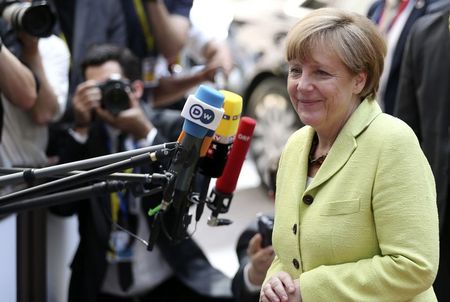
column 227, row 182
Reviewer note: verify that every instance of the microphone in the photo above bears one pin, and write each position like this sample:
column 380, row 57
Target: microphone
column 221, row 195
column 213, row 163
column 202, row 112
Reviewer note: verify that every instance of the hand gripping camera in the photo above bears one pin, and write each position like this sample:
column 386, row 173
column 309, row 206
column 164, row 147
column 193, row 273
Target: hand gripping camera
column 36, row 18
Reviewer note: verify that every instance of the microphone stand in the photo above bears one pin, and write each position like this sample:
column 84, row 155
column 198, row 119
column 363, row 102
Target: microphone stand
column 62, row 197
column 113, row 176
column 77, row 179
column 104, row 187
column 30, row 175
column 219, row 203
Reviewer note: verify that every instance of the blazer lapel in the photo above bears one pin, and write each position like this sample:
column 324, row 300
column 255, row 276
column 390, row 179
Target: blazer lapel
column 346, row 143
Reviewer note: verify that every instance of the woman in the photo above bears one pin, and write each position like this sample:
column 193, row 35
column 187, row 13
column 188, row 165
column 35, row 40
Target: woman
column 355, row 216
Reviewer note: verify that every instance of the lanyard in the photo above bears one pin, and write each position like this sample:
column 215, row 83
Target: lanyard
column 140, row 12
column 119, row 202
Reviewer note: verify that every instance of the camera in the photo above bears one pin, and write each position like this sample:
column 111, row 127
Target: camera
column 115, row 94
column 36, row 18
column 265, row 227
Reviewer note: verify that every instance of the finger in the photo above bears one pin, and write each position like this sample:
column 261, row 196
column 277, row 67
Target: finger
column 279, row 289
column 263, row 298
column 86, row 85
column 269, row 293
column 254, row 245
column 287, row 281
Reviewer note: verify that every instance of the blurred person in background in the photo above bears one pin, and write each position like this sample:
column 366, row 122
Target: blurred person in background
column 162, row 34
column 18, row 86
column 24, row 133
column 254, row 261
column 81, row 24
column 423, row 101
column 110, row 264
column 394, row 18
column 352, row 183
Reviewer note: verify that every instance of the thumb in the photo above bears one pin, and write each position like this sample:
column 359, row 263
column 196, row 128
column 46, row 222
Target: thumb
column 255, row 244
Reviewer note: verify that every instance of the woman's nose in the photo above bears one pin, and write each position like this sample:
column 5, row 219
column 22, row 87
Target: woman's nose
column 304, row 83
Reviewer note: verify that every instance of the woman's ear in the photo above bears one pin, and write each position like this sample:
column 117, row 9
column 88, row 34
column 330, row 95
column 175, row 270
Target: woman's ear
column 359, row 82
column 137, row 87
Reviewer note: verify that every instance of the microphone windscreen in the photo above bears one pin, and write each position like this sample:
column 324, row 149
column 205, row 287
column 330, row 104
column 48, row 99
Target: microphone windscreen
column 227, row 182
column 215, row 156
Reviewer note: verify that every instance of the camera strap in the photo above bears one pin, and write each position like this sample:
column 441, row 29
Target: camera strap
column 143, row 21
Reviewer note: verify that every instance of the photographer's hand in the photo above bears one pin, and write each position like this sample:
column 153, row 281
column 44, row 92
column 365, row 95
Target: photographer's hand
column 132, row 120
column 87, row 97
column 260, row 260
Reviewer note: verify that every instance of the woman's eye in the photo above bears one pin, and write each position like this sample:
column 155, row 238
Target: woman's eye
column 295, row 71
column 322, row 72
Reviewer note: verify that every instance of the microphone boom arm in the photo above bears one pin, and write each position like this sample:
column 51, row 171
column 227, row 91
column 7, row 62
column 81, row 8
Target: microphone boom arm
column 76, row 179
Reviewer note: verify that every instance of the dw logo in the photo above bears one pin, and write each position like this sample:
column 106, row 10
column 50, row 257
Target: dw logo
column 197, row 112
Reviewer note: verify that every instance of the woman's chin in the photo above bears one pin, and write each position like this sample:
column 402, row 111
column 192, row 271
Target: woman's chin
column 309, row 119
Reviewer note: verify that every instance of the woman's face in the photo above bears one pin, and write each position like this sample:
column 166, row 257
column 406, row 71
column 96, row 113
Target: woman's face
column 323, row 91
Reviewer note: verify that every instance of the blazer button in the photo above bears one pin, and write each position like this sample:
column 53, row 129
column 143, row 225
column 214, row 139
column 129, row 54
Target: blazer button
column 295, row 263
column 308, row 199
column 294, row 229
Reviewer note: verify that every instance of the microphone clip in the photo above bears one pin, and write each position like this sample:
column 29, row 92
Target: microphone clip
column 219, row 203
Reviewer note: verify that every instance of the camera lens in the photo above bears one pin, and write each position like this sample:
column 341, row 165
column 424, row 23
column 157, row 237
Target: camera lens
column 35, row 18
column 114, row 96
column 38, row 20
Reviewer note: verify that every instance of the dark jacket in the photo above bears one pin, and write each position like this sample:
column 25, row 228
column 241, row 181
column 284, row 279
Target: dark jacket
column 374, row 14
column 423, row 101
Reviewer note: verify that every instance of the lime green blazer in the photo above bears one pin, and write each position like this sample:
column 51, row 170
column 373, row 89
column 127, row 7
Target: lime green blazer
column 366, row 228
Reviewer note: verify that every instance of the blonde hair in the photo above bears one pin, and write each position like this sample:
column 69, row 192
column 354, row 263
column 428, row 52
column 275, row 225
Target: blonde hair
column 352, row 37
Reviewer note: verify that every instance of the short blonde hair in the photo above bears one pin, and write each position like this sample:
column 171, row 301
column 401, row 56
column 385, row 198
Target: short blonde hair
column 351, row 36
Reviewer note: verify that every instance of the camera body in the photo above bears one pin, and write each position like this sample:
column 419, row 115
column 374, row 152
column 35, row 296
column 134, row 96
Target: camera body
column 265, row 228
column 115, row 94
column 35, row 18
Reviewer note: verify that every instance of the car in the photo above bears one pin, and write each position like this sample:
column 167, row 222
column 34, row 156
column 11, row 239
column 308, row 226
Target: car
column 257, row 34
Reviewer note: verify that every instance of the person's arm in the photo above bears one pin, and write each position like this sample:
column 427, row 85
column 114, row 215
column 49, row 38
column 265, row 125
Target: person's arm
column 170, row 30
column 46, row 105
column 171, row 89
column 217, row 54
column 17, row 82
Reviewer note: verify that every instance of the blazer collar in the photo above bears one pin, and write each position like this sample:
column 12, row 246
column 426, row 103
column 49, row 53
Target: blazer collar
column 345, row 143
